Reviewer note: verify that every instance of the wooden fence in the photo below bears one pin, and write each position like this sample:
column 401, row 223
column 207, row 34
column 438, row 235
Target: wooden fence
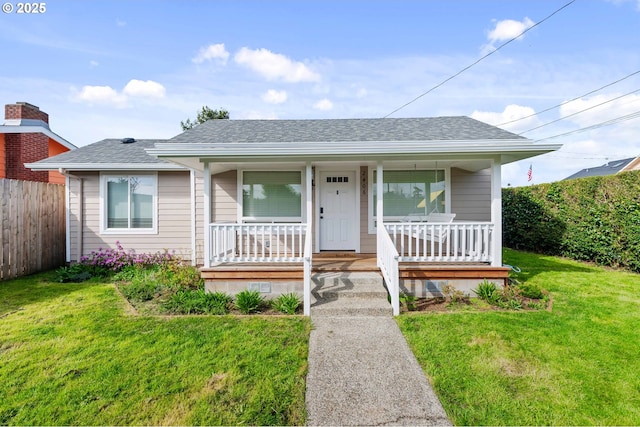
column 32, row 227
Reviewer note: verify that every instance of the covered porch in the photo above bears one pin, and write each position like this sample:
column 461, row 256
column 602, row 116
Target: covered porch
column 413, row 245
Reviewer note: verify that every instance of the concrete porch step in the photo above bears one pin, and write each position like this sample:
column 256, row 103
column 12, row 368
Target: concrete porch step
column 335, row 285
column 352, row 307
column 349, row 294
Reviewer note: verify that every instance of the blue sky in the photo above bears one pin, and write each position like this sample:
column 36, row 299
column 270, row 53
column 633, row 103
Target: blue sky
column 112, row 69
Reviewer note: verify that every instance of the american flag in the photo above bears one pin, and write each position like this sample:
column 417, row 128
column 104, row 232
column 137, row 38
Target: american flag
column 530, row 173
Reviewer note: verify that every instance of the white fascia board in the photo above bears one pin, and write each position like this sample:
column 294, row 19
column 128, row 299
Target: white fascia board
column 38, row 129
column 340, row 149
column 105, row 166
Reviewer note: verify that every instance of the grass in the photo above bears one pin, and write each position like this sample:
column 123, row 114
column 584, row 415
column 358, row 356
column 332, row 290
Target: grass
column 575, row 365
column 71, row 355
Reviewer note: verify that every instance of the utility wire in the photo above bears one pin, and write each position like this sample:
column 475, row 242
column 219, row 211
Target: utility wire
column 476, row 62
column 596, row 126
column 580, row 112
column 571, row 100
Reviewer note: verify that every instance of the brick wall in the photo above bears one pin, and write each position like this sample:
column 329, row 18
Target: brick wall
column 25, row 148
column 21, row 148
column 24, row 110
column 3, row 173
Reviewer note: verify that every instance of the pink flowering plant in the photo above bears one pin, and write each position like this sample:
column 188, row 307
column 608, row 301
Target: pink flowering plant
column 112, row 260
column 108, row 261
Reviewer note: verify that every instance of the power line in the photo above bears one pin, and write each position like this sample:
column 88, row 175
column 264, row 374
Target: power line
column 571, row 100
column 580, row 112
column 596, row 126
column 476, row 62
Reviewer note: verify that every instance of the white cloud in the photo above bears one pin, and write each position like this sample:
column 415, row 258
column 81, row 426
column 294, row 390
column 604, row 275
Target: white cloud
column 274, row 66
column 93, row 64
column 323, row 105
column 103, row 95
column 599, row 113
column 212, row 52
column 511, row 112
column 106, row 95
column 273, row 96
column 506, row 30
column 120, row 23
column 144, row 89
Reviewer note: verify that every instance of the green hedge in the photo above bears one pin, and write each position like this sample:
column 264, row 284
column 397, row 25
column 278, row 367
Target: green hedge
column 593, row 219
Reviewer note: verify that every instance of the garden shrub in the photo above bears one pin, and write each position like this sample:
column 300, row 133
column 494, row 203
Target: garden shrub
column 588, row 219
column 286, row 303
column 249, row 301
column 186, row 301
column 141, row 290
column 74, row 273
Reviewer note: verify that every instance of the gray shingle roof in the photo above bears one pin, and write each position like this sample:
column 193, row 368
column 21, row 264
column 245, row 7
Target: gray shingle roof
column 109, row 151
column 348, row 130
column 610, row 168
column 113, row 151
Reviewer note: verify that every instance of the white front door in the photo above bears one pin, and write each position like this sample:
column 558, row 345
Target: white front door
column 338, row 210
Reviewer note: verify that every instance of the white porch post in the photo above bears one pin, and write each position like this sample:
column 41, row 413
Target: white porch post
column 207, row 215
column 309, row 213
column 496, row 212
column 379, row 201
column 380, row 192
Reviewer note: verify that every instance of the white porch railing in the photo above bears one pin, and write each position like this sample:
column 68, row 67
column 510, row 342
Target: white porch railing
column 266, row 243
column 258, row 242
column 388, row 263
column 442, row 242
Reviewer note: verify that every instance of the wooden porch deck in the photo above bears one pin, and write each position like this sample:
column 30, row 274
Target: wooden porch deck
column 352, row 262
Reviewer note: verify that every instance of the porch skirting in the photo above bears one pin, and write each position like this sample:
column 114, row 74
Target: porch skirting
column 419, row 279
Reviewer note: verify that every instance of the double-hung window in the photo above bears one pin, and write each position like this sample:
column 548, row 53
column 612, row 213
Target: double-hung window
column 409, row 194
column 129, row 203
column 272, row 196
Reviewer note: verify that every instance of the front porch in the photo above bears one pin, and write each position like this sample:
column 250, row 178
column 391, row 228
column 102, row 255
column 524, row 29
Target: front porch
column 422, row 279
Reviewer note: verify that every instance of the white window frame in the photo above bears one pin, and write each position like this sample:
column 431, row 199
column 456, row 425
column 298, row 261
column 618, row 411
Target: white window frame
column 104, row 229
column 284, row 219
column 371, row 211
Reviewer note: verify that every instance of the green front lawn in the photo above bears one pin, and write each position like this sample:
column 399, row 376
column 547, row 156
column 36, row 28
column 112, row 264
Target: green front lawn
column 576, row 365
column 72, row 354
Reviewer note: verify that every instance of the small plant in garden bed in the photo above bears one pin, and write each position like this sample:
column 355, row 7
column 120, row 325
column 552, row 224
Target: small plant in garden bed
column 512, row 297
column 408, row 301
column 75, row 273
column 198, row 302
column 454, row 296
column 286, row 303
column 249, row 302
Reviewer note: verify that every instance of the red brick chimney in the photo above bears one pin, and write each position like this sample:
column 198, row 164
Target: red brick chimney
column 21, row 148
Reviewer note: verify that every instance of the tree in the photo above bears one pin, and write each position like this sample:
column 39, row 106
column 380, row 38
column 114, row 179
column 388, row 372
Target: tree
column 205, row 114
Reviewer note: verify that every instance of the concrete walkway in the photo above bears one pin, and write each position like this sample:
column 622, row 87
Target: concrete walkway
column 362, row 373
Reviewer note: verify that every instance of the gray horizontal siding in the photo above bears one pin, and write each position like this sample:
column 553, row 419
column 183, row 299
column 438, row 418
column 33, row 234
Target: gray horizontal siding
column 174, row 219
column 471, row 195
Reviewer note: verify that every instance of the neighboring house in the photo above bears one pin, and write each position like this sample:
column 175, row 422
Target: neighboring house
column 25, row 137
column 276, row 192
column 609, row 168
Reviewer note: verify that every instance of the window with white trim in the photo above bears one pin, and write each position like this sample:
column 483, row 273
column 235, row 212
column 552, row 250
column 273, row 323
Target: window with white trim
column 129, row 203
column 409, row 194
column 272, row 196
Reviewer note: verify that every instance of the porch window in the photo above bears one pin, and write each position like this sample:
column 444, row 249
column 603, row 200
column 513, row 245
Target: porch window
column 410, row 194
column 272, row 196
column 129, row 203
